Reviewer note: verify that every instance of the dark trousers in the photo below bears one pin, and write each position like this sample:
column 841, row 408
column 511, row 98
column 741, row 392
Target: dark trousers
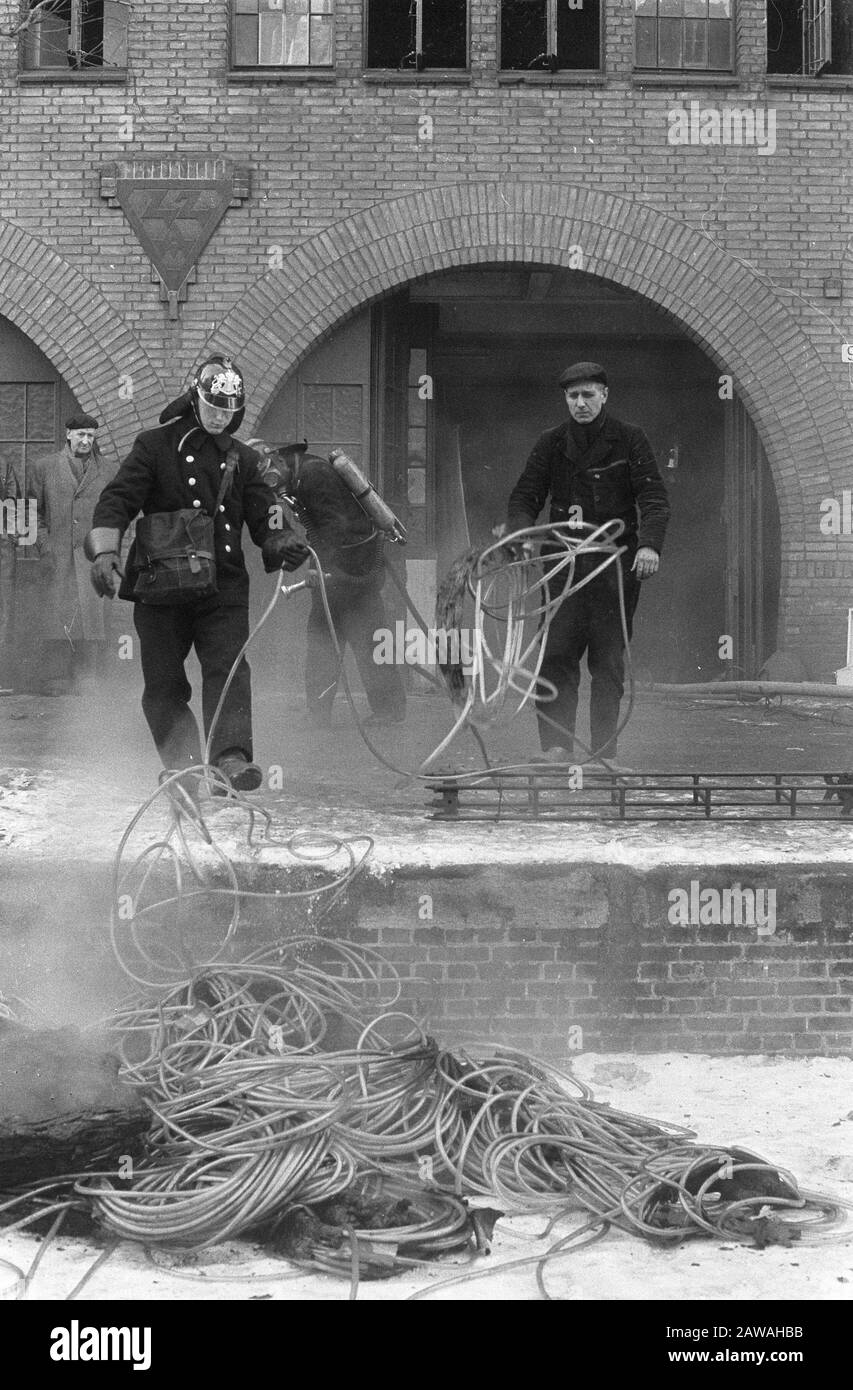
column 217, row 630
column 357, row 612
column 588, row 622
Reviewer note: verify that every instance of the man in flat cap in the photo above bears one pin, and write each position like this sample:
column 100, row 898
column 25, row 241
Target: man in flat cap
column 594, row 468
column 66, row 487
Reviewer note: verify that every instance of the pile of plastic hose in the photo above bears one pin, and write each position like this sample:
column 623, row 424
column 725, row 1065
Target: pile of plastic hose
column 252, row 1119
column 379, row 1225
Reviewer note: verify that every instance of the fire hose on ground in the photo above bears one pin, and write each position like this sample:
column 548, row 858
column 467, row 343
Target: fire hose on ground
column 290, row 1098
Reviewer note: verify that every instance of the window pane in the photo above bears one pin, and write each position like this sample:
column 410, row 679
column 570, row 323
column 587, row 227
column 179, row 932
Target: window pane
column 417, row 365
column 46, row 42
column 321, row 6
column 578, row 42
column 245, row 6
column 317, row 410
column 671, row 7
column 696, row 9
column 346, row 412
column 115, row 34
column 669, row 43
column 524, row 32
column 646, row 43
column 13, row 411
column 695, row 43
column 720, row 44
column 321, row 40
column 295, row 7
column 12, row 470
column 390, row 33
column 417, row 486
column 296, row 49
column 444, row 33
column 245, row 40
column 271, row 38
column 646, row 7
column 40, row 411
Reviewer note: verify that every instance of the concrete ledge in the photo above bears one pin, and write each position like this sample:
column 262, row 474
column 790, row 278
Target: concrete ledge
column 549, row 957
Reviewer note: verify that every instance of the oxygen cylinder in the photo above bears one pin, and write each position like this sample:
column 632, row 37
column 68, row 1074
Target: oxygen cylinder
column 366, row 494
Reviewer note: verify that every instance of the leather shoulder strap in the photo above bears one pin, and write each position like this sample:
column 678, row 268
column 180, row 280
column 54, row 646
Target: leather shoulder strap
column 232, row 458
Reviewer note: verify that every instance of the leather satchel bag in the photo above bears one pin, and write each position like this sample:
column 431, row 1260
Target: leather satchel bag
column 175, row 551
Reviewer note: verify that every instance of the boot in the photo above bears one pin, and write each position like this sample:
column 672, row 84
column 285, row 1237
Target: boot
column 243, row 776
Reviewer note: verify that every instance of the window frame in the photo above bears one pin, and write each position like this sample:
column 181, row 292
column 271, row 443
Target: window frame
column 94, row 73
column 696, row 74
column 816, row 37
column 425, row 74
column 560, row 74
column 277, row 72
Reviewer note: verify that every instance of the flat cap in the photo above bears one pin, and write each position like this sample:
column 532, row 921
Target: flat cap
column 584, row 371
column 81, row 422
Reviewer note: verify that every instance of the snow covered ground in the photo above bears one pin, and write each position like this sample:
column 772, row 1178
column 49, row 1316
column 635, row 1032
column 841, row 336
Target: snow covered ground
column 798, row 1114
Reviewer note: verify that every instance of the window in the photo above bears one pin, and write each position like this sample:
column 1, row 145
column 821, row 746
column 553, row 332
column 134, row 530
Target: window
column 417, row 34
column 684, row 34
column 811, row 37
column 550, row 34
column 417, row 492
column 282, row 33
column 333, row 418
column 27, row 430
column 76, row 34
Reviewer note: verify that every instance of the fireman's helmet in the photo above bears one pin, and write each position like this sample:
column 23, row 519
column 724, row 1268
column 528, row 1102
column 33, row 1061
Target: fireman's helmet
column 219, row 383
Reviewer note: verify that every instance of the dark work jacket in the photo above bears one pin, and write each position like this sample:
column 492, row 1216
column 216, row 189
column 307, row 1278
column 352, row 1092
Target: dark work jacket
column 338, row 528
column 179, row 466
column 616, row 477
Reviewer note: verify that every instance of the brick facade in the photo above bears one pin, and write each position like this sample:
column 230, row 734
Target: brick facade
column 733, row 242
column 548, row 959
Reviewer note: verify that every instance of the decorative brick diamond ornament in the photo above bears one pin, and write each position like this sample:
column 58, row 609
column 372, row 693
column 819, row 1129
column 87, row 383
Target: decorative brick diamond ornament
column 174, row 206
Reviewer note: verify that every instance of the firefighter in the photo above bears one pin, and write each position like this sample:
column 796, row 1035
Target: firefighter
column 594, row 468
column 179, row 468
column 351, row 552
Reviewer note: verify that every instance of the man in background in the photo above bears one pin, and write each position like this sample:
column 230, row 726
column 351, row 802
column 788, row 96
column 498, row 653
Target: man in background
column 594, row 468
column 351, row 553
column 66, row 487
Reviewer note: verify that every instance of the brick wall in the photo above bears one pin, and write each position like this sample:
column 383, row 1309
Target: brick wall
column 735, row 243
column 553, row 961
column 549, row 960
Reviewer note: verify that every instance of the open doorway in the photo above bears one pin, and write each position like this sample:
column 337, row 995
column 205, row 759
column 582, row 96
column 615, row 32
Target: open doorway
column 467, row 363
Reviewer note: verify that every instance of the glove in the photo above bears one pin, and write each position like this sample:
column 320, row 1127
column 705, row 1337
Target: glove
column 105, row 574
column 519, row 550
column 283, row 552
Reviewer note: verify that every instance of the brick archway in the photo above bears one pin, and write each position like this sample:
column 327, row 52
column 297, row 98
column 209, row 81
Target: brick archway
column 731, row 312
column 84, row 338
column 734, row 314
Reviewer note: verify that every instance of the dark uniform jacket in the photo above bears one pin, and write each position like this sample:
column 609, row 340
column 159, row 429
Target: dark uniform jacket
column 617, row 476
column 338, row 528
column 178, row 466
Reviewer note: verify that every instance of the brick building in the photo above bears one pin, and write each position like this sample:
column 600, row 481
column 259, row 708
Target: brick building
column 429, row 207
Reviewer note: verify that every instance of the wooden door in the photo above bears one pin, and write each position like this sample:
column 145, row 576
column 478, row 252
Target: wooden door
column 752, row 546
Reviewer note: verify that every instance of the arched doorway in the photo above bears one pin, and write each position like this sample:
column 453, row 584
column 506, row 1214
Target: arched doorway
column 442, row 388
column 769, row 342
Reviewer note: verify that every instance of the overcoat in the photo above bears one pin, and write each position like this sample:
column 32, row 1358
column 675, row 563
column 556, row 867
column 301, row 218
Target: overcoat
column 70, row 607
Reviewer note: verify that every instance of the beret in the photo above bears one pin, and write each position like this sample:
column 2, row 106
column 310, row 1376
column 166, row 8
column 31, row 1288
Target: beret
column 81, row 422
column 584, row 371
